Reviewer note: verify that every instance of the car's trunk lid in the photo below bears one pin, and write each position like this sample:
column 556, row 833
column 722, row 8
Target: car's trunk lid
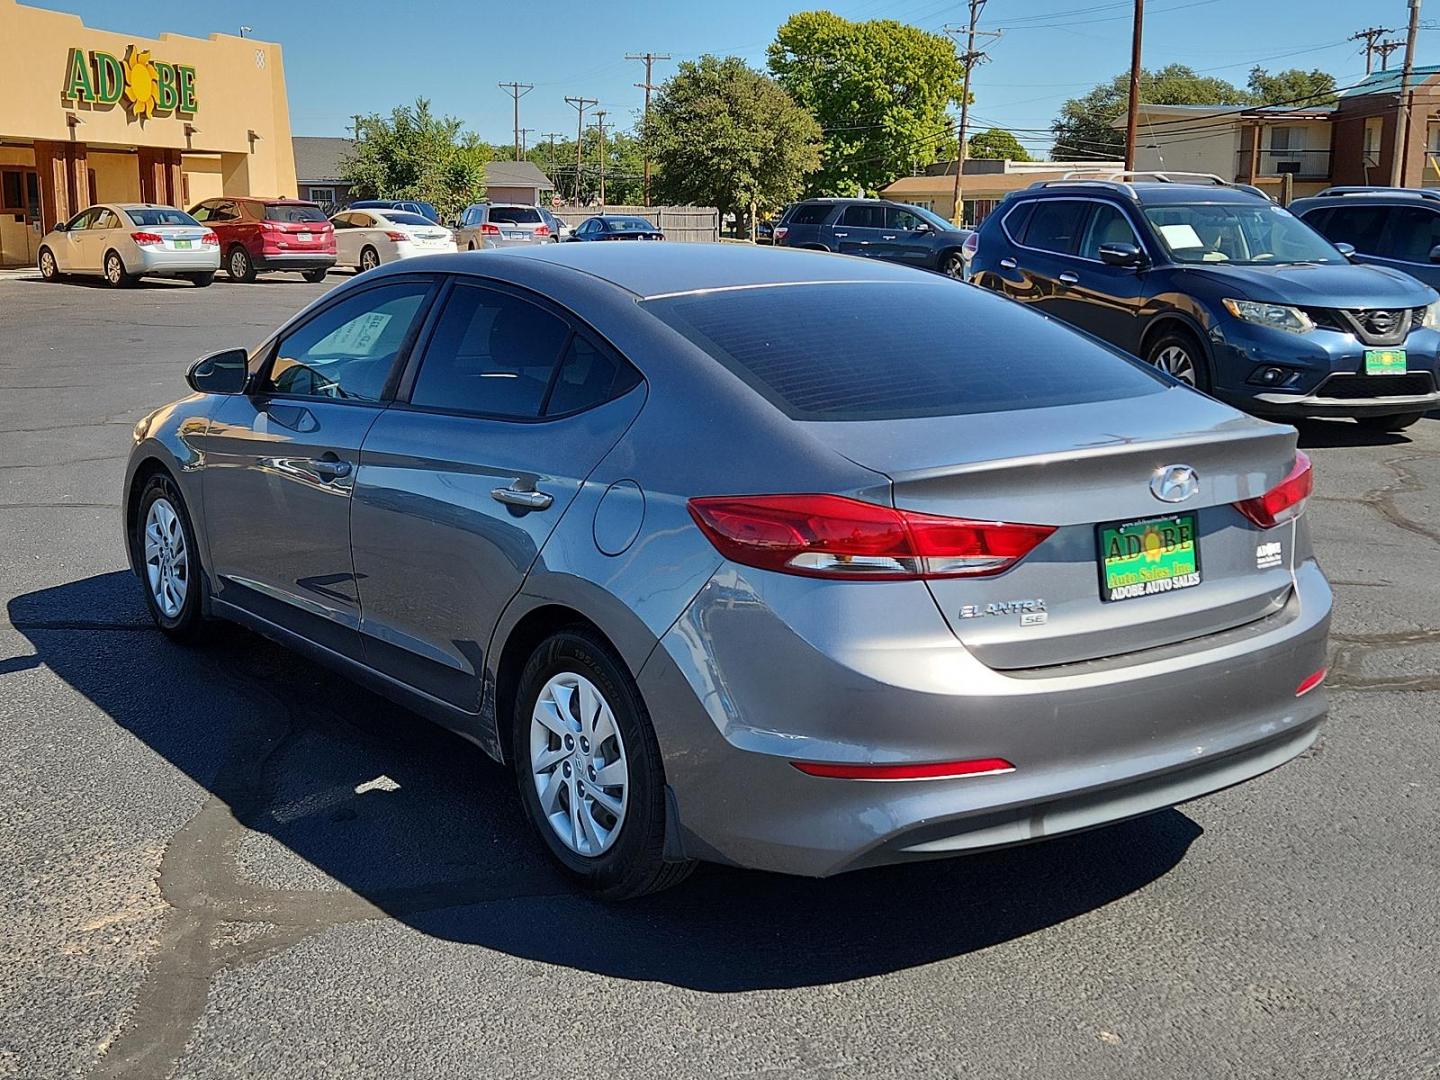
column 1081, row 467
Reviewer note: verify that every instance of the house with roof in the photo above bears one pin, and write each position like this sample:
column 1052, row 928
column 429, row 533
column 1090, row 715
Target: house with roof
column 516, row 182
column 317, row 169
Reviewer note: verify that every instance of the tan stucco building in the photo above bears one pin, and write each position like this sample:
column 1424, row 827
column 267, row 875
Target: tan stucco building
column 90, row 115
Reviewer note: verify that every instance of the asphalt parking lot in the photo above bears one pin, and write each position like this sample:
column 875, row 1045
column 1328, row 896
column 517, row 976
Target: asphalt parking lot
column 229, row 863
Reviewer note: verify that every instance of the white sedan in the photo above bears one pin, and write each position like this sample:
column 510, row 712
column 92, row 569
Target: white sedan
column 366, row 238
column 124, row 242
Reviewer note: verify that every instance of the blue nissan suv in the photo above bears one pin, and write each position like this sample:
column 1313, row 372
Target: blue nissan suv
column 1223, row 289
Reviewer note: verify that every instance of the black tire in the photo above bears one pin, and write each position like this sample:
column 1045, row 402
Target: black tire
column 368, row 255
column 634, row 864
column 116, row 276
column 239, row 266
column 315, row 276
column 952, row 264
column 1194, row 353
column 201, row 281
column 1390, row 421
column 49, row 268
column 187, row 624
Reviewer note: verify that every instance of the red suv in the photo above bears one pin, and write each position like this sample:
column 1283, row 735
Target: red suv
column 269, row 234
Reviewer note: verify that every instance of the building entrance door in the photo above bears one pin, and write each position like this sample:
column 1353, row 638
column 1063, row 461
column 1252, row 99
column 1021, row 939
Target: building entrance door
column 20, row 218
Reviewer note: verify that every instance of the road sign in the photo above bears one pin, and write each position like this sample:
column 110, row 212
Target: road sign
column 556, row 201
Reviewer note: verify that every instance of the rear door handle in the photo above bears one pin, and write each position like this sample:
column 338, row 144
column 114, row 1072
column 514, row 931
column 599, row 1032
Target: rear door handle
column 842, row 234
column 526, row 500
column 1007, row 264
column 1069, row 278
column 890, row 237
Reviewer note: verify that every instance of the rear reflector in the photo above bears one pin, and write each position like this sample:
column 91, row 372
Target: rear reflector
column 1285, row 500
column 834, row 537
column 932, row 770
column 1310, row 682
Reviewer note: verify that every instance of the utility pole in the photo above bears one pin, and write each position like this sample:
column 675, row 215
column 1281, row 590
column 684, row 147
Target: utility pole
column 971, row 57
column 649, row 59
column 1370, row 35
column 517, row 90
column 1133, row 115
column 580, row 104
column 356, row 118
column 524, row 142
column 600, row 115
column 552, row 136
column 1385, row 48
column 1402, row 118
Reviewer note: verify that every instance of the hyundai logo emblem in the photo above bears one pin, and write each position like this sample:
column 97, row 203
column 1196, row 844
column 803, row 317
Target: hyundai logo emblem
column 1174, row 483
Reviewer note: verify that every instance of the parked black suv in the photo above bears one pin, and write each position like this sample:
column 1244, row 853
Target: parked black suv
column 1223, row 289
column 876, row 229
column 1396, row 227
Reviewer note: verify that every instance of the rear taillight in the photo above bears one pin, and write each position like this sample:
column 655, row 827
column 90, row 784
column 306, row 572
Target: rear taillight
column 209, row 239
column 147, row 239
column 1285, row 500
column 490, row 230
column 970, row 246
column 542, row 230
column 834, row 537
column 398, row 237
column 781, row 231
column 929, row 770
column 268, row 226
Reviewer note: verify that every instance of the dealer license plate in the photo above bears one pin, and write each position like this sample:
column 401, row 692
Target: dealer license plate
column 182, row 245
column 1145, row 558
column 1384, row 361
column 304, row 237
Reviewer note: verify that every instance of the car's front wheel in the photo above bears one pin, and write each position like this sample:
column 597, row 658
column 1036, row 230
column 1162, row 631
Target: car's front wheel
column 1390, row 421
column 589, row 769
column 1179, row 354
column 169, row 560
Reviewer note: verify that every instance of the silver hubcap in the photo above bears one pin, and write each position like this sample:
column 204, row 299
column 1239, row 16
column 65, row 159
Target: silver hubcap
column 577, row 761
column 47, row 265
column 368, row 260
column 167, row 559
column 1177, row 362
column 237, row 265
column 112, row 269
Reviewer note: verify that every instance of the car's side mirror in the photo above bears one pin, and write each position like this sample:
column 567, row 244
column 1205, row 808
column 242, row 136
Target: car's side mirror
column 1127, row 255
column 224, row 372
column 923, row 227
column 1349, row 249
column 1435, row 253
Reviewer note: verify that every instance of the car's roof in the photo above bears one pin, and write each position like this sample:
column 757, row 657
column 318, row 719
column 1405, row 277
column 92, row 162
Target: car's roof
column 141, row 206
column 1144, row 192
column 649, row 270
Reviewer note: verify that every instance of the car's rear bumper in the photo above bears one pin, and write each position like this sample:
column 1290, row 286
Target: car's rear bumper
column 197, row 261
column 737, row 694
column 302, row 260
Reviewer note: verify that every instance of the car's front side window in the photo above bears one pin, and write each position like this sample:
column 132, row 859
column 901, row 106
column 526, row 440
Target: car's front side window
column 347, row 351
column 1108, row 225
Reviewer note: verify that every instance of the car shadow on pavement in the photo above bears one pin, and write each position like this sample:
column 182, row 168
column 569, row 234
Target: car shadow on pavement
column 1331, row 434
column 334, row 788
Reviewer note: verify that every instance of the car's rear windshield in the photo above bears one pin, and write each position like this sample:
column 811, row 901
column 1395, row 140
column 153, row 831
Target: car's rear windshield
column 404, row 217
column 515, row 215
column 893, row 350
column 293, row 212
column 629, row 224
column 164, row 216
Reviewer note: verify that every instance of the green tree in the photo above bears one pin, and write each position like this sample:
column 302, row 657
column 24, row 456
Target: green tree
column 723, row 134
column 880, row 90
column 996, row 143
column 1083, row 128
column 414, row 154
column 1304, row 89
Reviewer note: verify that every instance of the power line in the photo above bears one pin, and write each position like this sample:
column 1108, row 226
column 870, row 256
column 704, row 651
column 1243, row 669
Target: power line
column 649, row 58
column 517, row 90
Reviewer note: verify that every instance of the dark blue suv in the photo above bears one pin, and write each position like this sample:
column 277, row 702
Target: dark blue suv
column 875, row 229
column 1397, row 227
column 1224, row 290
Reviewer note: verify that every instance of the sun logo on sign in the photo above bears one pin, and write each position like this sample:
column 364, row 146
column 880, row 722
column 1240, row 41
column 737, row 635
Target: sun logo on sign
column 1151, row 544
column 141, row 83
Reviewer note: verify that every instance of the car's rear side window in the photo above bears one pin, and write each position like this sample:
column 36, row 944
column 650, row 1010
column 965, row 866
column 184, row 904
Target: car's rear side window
column 810, row 214
column 890, row 350
column 1055, row 225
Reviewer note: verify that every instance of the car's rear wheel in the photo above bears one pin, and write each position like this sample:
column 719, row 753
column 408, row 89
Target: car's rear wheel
column 116, row 276
column 952, row 263
column 239, row 265
column 1179, row 354
column 201, row 280
column 169, row 560
column 589, row 769
column 314, row 276
column 1390, row 421
column 49, row 268
column 369, row 259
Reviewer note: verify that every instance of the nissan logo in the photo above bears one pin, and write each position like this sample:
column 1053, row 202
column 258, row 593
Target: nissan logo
column 1174, row 483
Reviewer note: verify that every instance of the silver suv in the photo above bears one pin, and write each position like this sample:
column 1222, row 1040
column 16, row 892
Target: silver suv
column 497, row 225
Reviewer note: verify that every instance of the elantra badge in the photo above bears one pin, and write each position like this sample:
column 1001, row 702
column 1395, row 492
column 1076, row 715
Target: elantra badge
column 1174, row 483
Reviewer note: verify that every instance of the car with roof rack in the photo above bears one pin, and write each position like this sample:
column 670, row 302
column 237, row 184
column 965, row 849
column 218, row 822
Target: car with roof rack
column 1387, row 226
column 1221, row 288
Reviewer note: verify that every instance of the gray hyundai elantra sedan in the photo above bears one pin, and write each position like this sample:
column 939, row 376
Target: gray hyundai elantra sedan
column 772, row 558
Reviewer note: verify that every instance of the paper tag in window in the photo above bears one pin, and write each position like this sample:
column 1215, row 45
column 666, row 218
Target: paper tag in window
column 356, row 338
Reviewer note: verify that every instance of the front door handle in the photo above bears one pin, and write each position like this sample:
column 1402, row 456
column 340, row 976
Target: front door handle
column 526, row 500
column 1069, row 278
column 330, row 468
column 895, row 237
column 842, row 234
column 1007, row 264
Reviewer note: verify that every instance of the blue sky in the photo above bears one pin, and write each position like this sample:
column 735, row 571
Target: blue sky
column 455, row 53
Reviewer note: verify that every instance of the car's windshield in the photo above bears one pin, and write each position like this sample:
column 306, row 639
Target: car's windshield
column 294, row 212
column 1243, row 233
column 404, row 217
column 163, row 216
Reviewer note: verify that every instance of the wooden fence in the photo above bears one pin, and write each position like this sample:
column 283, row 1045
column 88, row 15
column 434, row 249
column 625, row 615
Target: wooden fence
column 692, row 224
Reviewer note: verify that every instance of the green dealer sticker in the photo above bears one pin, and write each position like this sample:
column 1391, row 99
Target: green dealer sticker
column 1384, row 361
column 1143, row 558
